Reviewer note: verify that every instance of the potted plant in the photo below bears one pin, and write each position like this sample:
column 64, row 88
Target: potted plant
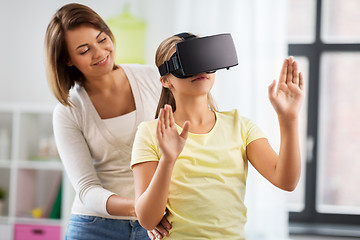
column 2, row 199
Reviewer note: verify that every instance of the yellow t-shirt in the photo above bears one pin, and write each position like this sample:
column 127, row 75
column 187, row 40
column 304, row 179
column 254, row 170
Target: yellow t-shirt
column 207, row 188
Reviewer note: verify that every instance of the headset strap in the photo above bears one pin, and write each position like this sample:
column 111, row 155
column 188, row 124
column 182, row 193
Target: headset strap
column 171, row 65
column 185, row 35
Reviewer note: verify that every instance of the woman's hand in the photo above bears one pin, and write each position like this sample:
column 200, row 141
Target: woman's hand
column 161, row 230
column 171, row 143
column 288, row 96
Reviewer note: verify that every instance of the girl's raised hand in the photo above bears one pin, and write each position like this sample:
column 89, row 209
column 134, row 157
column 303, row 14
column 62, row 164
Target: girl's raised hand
column 288, row 96
column 171, row 143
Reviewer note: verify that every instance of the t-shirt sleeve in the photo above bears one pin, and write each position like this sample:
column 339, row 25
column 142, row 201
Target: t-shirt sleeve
column 145, row 148
column 253, row 132
column 249, row 130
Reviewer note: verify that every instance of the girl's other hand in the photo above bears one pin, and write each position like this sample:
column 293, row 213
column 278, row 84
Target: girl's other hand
column 171, row 143
column 289, row 94
column 161, row 230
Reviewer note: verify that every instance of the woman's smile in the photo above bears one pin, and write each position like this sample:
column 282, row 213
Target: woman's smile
column 102, row 62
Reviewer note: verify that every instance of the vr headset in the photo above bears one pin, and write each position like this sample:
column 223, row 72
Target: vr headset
column 198, row 55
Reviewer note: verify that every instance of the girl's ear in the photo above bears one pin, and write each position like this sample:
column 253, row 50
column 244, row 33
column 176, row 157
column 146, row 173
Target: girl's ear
column 165, row 82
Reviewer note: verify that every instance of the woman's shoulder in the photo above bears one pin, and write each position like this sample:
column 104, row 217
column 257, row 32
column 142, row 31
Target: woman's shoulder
column 146, row 78
column 76, row 97
column 62, row 114
column 76, row 94
column 140, row 69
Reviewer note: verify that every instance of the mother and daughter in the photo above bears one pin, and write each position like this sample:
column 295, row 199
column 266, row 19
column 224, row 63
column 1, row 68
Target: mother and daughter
column 189, row 166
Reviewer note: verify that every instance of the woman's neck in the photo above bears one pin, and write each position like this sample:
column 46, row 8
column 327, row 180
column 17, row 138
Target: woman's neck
column 111, row 95
column 104, row 84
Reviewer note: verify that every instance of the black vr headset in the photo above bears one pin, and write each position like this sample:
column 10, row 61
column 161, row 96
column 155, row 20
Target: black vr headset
column 198, row 55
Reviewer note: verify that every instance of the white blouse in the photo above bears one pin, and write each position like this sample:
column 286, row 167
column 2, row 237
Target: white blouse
column 96, row 154
column 122, row 127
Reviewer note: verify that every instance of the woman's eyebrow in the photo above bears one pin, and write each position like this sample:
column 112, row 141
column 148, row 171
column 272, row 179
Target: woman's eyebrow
column 99, row 34
column 83, row 45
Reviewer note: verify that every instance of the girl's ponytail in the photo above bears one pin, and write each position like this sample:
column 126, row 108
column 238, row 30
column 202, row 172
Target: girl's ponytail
column 166, row 97
column 163, row 54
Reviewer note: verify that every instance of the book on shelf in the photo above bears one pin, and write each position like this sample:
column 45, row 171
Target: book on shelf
column 55, row 212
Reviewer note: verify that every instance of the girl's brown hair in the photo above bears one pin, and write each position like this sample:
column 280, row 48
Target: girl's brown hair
column 163, row 54
column 62, row 77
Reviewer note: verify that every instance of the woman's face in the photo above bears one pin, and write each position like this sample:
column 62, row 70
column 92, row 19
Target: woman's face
column 90, row 50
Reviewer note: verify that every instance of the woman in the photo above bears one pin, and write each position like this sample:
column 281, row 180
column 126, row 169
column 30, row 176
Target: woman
column 100, row 106
column 198, row 171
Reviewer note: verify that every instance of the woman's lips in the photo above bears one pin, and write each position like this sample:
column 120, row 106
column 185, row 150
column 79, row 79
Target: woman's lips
column 102, row 62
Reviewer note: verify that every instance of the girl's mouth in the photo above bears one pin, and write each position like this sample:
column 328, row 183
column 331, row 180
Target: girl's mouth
column 199, row 78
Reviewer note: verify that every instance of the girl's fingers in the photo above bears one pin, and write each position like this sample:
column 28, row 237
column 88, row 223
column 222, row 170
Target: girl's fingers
column 272, row 89
column 158, row 129
column 295, row 73
column 301, row 81
column 283, row 73
column 171, row 117
column 161, row 121
column 185, row 131
column 167, row 116
column 161, row 231
column 289, row 77
column 156, row 234
column 151, row 235
column 165, row 223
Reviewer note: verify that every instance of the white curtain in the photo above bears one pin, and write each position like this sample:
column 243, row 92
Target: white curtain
column 258, row 29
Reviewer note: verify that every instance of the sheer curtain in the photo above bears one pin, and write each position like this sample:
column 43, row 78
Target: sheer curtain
column 258, row 29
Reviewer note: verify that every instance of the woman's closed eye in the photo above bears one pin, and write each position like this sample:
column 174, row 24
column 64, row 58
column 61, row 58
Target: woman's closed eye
column 102, row 40
column 85, row 51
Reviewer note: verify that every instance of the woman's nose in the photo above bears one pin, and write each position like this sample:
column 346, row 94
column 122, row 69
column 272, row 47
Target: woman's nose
column 98, row 52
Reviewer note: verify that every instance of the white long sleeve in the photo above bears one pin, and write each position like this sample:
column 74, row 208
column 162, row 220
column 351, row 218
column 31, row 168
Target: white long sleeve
column 95, row 160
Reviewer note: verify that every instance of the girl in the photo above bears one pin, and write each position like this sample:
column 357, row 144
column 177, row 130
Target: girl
column 95, row 122
column 197, row 172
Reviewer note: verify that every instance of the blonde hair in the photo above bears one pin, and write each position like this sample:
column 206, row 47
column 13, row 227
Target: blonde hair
column 61, row 77
column 163, row 54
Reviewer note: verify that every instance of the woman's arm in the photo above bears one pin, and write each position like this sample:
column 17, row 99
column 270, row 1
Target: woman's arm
column 152, row 179
column 282, row 170
column 78, row 164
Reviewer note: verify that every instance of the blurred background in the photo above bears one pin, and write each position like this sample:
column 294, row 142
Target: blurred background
column 322, row 35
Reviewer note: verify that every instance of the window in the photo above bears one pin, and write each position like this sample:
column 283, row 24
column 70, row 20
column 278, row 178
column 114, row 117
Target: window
column 326, row 43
